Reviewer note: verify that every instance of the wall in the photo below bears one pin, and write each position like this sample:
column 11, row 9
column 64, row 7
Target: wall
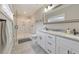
column 71, row 12
column 38, row 17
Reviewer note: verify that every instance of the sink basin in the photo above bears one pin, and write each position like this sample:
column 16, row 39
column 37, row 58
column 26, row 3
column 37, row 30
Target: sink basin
column 57, row 30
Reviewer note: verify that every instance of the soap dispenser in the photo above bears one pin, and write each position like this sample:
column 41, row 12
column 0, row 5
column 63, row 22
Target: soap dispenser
column 74, row 31
column 68, row 31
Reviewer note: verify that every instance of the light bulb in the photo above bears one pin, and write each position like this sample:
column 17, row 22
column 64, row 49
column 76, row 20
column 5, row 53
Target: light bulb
column 45, row 9
column 49, row 7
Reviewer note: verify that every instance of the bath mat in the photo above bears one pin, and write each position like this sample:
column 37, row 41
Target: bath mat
column 24, row 40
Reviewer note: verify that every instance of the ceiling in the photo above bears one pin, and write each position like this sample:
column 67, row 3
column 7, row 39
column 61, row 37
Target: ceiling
column 27, row 9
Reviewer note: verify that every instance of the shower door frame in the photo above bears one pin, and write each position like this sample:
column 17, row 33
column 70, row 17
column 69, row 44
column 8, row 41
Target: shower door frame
column 3, row 44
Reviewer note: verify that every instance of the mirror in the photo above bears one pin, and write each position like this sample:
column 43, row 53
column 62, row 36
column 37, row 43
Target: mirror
column 56, row 18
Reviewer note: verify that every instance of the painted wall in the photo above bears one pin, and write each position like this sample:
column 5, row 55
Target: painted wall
column 38, row 17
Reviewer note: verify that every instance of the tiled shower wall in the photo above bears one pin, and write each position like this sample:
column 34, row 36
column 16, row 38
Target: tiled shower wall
column 25, row 27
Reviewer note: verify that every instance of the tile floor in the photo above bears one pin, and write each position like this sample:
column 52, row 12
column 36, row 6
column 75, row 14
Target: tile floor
column 28, row 48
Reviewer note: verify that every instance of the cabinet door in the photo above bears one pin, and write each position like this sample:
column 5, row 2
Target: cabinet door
column 57, row 45
column 34, row 39
column 66, row 46
column 41, row 39
column 38, row 39
column 47, row 42
column 62, row 45
column 65, row 49
column 74, row 45
column 75, row 51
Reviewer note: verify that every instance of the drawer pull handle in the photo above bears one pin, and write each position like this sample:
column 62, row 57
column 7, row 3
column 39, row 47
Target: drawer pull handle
column 40, row 38
column 68, row 51
column 49, row 51
column 49, row 36
column 49, row 43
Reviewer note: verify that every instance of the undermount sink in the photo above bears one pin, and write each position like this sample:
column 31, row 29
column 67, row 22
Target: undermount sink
column 57, row 30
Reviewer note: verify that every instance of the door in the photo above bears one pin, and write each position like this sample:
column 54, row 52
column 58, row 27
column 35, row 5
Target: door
column 2, row 34
column 41, row 39
column 38, row 38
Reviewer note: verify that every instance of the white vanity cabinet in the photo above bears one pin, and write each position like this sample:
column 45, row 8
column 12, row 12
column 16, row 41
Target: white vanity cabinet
column 53, row 44
column 75, row 51
column 34, row 38
column 74, row 46
column 66, row 46
column 38, row 39
column 47, row 42
column 62, row 45
column 41, row 39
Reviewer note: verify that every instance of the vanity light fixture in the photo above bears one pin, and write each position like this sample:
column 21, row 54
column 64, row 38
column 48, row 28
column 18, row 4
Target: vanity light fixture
column 45, row 10
column 48, row 8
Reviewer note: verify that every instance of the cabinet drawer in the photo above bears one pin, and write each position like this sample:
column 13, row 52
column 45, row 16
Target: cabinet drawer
column 51, row 50
column 50, row 47
column 51, row 38
column 51, row 43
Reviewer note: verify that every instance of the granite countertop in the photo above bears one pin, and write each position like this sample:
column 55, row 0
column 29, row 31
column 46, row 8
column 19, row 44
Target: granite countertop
column 62, row 34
